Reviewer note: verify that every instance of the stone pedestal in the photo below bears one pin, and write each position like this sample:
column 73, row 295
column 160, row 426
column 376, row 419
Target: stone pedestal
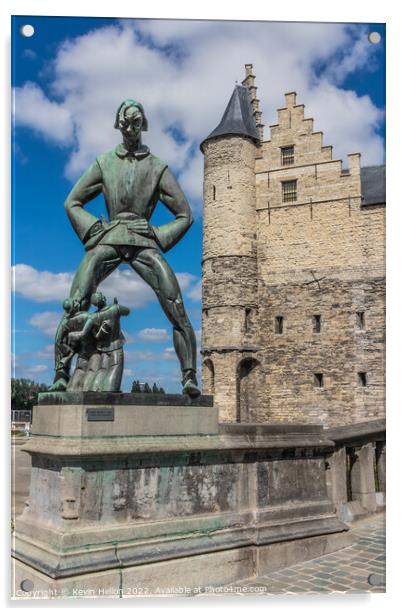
column 137, row 493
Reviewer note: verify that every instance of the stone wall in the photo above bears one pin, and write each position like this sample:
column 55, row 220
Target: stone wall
column 322, row 255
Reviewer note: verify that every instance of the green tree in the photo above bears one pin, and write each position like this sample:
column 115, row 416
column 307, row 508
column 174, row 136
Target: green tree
column 135, row 388
column 146, row 389
column 24, row 393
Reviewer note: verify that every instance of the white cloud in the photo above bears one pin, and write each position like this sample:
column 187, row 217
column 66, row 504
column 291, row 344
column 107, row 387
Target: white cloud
column 141, row 356
column 351, row 57
column 40, row 286
column 195, row 293
column 186, row 280
column 47, row 352
column 126, row 285
column 38, row 369
column 48, row 118
column 184, row 73
column 169, row 354
column 46, row 322
column 22, row 370
column 357, row 135
column 153, row 335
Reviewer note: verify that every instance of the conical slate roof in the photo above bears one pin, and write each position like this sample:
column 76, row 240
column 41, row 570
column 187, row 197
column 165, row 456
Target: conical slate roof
column 238, row 118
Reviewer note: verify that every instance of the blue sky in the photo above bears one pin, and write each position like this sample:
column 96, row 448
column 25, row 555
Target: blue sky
column 68, row 80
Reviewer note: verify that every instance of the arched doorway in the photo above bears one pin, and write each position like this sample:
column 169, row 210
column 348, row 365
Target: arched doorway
column 248, row 371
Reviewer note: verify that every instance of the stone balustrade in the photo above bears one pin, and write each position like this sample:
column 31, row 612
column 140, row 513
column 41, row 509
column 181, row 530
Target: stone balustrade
column 356, row 469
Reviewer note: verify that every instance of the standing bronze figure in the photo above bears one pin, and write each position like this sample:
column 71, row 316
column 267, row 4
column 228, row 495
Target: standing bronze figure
column 132, row 181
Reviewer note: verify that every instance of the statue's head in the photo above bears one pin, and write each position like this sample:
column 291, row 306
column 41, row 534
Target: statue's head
column 71, row 306
column 131, row 120
column 85, row 303
column 98, row 300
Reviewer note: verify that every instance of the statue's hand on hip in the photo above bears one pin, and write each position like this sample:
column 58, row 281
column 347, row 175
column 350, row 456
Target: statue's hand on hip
column 96, row 228
column 142, row 227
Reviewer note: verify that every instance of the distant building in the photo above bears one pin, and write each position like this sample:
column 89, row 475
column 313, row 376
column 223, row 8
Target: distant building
column 21, row 420
column 293, row 322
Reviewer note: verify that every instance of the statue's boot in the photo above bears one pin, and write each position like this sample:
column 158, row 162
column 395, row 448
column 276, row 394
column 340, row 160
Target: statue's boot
column 190, row 385
column 60, row 381
column 59, row 385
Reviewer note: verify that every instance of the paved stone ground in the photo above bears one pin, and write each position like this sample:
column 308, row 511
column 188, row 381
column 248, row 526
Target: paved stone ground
column 342, row 572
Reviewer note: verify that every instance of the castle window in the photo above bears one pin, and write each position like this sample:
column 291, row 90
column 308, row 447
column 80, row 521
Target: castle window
column 288, row 155
column 247, row 320
column 317, row 323
column 360, row 320
column 289, row 191
column 278, row 325
column 362, row 377
column 319, row 379
column 214, row 192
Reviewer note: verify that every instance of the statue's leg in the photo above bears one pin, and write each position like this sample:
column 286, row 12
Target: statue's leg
column 97, row 264
column 155, row 270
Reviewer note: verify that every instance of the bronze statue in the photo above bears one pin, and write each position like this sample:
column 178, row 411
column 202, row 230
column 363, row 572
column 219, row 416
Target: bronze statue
column 133, row 180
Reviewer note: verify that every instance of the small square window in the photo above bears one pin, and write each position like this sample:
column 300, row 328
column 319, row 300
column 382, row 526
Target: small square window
column 288, row 155
column 289, row 191
column 319, row 379
column 362, row 377
column 360, row 320
column 278, row 325
column 317, row 323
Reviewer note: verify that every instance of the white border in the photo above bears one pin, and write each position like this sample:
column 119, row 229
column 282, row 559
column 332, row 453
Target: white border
column 302, row 10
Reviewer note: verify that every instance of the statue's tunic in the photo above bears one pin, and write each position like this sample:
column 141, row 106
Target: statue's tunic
column 132, row 184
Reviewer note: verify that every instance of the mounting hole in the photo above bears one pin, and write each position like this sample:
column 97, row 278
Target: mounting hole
column 27, row 585
column 374, row 38
column 376, row 580
column 27, row 30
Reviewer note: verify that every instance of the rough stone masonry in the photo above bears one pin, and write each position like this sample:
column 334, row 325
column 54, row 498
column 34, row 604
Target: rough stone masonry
column 293, row 272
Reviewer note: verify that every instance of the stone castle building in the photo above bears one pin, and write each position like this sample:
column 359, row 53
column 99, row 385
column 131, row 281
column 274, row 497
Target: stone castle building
column 293, row 320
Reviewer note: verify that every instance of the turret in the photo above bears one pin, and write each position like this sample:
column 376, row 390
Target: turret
column 229, row 249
